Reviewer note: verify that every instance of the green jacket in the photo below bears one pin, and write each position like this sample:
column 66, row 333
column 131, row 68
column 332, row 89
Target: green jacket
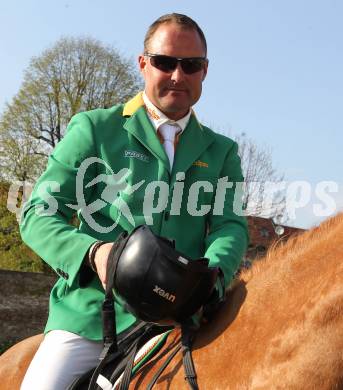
column 132, row 161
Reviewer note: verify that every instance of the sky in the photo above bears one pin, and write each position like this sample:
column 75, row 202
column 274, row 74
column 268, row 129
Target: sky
column 275, row 73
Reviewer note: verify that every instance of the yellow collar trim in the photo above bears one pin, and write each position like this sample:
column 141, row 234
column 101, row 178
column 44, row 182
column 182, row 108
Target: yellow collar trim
column 133, row 105
column 136, row 102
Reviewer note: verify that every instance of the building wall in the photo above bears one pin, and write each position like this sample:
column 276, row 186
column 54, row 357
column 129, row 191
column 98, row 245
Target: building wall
column 262, row 236
column 24, row 300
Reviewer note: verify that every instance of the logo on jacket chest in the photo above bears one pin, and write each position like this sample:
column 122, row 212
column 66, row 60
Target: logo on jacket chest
column 138, row 155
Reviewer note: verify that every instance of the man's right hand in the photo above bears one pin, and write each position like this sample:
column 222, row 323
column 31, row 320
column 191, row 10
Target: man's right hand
column 100, row 261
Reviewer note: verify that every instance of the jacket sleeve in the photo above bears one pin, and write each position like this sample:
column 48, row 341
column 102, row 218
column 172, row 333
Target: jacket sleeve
column 45, row 218
column 228, row 237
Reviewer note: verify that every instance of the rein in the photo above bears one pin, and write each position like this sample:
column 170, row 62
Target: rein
column 185, row 344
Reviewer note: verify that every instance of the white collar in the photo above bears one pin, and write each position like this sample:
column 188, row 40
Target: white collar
column 158, row 118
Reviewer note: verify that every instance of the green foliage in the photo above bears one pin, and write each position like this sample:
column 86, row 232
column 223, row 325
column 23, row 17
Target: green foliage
column 14, row 254
column 6, row 345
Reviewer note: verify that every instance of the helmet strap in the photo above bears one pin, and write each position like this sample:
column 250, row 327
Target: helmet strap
column 109, row 328
column 108, row 308
column 187, row 338
column 109, row 324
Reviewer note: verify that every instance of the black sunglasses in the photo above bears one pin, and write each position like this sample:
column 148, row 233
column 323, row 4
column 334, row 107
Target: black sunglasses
column 168, row 64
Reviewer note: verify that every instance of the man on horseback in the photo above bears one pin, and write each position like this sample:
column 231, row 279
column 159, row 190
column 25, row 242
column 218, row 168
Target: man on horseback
column 124, row 154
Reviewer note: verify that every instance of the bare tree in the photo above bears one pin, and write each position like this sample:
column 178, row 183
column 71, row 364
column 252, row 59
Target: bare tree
column 75, row 74
column 264, row 195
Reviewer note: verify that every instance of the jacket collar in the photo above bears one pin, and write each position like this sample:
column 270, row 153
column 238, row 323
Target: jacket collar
column 188, row 151
column 192, row 143
column 133, row 105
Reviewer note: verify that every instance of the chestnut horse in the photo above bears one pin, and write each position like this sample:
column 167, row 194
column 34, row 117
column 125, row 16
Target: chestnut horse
column 281, row 327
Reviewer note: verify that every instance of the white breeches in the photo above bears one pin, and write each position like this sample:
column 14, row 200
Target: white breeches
column 61, row 358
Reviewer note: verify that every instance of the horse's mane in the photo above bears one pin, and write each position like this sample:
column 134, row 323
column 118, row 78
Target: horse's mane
column 281, row 252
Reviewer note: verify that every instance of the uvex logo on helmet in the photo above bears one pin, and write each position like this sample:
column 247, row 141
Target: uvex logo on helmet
column 164, row 294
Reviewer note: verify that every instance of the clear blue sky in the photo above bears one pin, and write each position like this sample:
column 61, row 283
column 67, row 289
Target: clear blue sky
column 276, row 68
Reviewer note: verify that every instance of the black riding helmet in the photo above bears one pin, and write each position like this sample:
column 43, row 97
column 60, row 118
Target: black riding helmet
column 156, row 282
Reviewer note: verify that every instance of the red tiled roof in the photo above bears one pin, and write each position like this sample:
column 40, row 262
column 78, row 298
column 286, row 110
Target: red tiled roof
column 262, row 235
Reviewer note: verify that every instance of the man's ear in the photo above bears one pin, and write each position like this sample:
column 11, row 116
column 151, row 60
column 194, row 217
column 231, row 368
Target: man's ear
column 142, row 63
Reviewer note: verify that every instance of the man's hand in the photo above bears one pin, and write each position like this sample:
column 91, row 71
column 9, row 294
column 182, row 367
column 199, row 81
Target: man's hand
column 100, row 261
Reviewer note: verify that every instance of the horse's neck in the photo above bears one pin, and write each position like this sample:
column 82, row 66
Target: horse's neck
column 288, row 304
column 281, row 324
